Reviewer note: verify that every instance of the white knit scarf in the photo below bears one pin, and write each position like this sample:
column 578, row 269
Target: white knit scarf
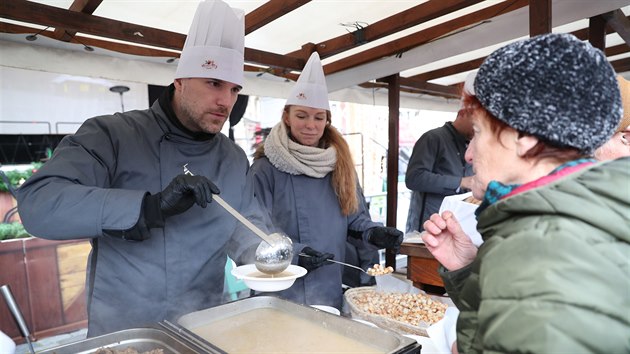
column 296, row 159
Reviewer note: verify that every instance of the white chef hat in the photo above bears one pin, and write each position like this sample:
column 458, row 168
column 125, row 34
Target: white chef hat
column 310, row 90
column 469, row 87
column 214, row 47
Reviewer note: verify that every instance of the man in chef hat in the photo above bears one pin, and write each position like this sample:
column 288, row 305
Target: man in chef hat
column 211, row 63
column 139, row 184
column 323, row 203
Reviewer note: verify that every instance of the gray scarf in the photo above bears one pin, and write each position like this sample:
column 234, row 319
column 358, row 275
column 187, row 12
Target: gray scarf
column 297, row 159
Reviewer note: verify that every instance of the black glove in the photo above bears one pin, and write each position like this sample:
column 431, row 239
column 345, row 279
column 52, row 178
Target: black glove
column 313, row 259
column 183, row 192
column 385, row 237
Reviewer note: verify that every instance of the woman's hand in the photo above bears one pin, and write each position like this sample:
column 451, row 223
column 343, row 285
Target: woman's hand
column 447, row 242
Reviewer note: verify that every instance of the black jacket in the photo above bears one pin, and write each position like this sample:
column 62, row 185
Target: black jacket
column 435, row 170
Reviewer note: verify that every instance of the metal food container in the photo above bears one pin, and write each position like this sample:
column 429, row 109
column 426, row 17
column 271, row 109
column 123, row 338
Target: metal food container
column 187, row 336
column 300, row 329
column 141, row 339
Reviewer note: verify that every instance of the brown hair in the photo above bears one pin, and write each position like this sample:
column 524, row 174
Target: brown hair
column 543, row 149
column 344, row 180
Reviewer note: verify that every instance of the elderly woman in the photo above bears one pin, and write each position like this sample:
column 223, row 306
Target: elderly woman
column 553, row 273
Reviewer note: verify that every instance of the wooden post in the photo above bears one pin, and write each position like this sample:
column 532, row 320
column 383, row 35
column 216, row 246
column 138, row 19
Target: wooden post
column 597, row 32
column 392, row 160
column 539, row 17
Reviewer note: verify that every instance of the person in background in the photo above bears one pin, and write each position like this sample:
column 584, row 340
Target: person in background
column 159, row 245
column 555, row 257
column 437, row 167
column 304, row 175
column 619, row 144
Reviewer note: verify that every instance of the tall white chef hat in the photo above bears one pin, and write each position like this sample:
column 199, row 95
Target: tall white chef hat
column 469, row 83
column 215, row 45
column 310, row 90
column 469, row 87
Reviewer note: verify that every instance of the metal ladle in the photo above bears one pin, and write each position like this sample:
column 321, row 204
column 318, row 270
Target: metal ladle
column 273, row 255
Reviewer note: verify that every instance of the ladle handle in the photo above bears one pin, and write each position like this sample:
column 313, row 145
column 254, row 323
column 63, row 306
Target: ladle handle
column 242, row 219
column 235, row 213
column 342, row 263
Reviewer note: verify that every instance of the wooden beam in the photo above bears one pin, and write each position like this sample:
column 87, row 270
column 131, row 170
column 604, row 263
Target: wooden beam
column 93, row 42
column 539, row 17
column 621, row 65
column 417, row 39
column 449, row 70
column 84, row 6
column 269, row 12
column 617, row 49
column 390, row 25
column 620, row 23
column 475, row 63
column 36, row 13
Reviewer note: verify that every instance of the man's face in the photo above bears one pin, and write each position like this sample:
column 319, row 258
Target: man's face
column 203, row 105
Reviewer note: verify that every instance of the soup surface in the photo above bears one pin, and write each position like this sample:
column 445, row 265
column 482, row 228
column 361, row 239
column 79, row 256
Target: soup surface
column 267, row 330
column 265, row 275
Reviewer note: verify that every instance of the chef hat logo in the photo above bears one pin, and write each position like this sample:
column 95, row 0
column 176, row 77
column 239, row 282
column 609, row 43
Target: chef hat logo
column 310, row 90
column 214, row 47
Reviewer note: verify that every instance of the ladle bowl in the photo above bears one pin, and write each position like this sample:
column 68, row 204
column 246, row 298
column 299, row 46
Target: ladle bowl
column 274, row 257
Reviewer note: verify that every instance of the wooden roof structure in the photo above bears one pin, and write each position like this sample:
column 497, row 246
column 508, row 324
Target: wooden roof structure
column 411, row 26
column 407, row 47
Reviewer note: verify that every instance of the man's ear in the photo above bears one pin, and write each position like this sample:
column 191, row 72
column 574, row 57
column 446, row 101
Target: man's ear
column 525, row 143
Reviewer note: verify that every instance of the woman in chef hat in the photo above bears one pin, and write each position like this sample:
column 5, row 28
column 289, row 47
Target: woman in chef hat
column 305, row 176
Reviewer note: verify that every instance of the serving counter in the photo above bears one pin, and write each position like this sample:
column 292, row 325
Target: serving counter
column 422, row 268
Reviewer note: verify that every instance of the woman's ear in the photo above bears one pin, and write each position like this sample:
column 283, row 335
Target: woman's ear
column 285, row 118
column 524, row 143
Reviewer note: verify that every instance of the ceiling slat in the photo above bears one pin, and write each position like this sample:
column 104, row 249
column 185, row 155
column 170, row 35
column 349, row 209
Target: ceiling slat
column 422, row 37
column 620, row 23
column 390, row 25
column 31, row 12
column 269, row 12
column 84, row 6
column 135, row 38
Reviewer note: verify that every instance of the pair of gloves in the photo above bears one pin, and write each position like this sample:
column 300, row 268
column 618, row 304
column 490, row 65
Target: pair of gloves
column 380, row 236
column 181, row 194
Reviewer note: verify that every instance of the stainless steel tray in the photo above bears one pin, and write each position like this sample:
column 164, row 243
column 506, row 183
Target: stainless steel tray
column 385, row 341
column 141, row 339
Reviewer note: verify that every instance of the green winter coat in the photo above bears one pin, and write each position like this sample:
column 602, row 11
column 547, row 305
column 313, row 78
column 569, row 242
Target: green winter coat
column 553, row 275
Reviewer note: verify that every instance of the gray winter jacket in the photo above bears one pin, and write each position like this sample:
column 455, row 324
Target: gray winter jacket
column 96, row 181
column 435, row 170
column 307, row 210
